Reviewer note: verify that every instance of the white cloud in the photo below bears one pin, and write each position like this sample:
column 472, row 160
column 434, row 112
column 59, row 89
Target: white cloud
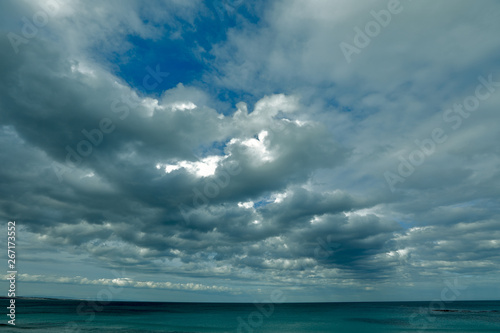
column 202, row 168
column 121, row 282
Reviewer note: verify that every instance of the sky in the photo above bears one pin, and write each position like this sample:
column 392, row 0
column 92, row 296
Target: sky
column 220, row 151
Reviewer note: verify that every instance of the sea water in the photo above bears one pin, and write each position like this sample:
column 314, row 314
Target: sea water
column 86, row 316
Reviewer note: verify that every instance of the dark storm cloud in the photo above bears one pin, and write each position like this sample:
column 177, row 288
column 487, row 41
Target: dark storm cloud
column 117, row 192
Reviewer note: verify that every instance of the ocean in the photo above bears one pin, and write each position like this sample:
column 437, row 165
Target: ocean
column 54, row 316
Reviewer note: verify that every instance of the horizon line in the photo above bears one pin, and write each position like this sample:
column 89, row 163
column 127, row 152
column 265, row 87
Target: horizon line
column 57, row 298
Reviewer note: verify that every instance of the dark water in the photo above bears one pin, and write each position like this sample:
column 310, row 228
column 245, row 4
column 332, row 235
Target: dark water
column 85, row 316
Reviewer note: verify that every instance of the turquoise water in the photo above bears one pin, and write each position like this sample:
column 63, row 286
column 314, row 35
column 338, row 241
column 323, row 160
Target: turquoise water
column 84, row 316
